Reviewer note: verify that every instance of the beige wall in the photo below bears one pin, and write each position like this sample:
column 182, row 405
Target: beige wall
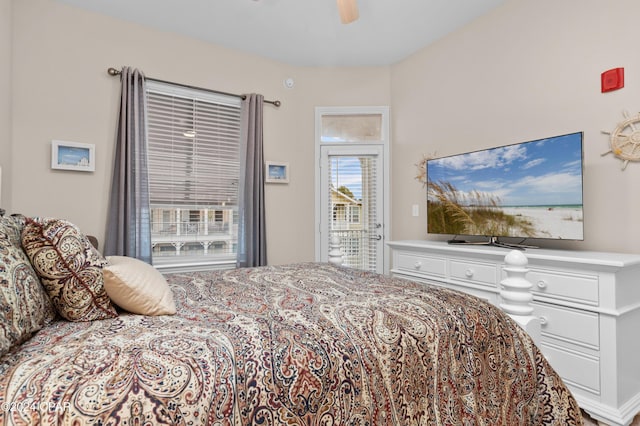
column 528, row 70
column 5, row 100
column 62, row 91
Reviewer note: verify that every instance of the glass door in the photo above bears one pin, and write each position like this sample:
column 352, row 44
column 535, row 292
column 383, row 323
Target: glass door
column 351, row 181
column 352, row 185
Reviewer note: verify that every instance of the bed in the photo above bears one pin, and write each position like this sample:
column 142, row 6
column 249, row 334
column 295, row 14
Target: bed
column 300, row 344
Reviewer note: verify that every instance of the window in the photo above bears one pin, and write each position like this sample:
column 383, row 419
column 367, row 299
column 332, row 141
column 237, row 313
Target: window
column 357, row 127
column 193, row 144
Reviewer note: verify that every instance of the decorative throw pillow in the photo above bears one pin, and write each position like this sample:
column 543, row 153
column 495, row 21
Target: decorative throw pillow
column 24, row 305
column 137, row 287
column 69, row 267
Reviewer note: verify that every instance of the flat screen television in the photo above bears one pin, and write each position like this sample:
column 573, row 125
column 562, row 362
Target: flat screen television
column 527, row 190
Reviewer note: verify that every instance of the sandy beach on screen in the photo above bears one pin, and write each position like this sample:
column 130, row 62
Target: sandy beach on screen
column 556, row 222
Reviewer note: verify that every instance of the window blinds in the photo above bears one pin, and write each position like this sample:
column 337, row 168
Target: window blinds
column 193, row 145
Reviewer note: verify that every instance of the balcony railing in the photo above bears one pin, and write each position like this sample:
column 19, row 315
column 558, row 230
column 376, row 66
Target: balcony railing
column 189, row 228
column 356, row 248
column 188, row 239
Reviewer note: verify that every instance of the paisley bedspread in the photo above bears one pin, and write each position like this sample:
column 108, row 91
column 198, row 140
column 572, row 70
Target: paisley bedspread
column 305, row 344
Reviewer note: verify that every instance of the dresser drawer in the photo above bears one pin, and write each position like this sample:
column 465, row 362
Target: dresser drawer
column 434, row 266
column 568, row 324
column 576, row 369
column 474, row 272
column 578, row 288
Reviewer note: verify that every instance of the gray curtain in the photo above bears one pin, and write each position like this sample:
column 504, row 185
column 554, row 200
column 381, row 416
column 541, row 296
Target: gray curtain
column 252, row 238
column 128, row 223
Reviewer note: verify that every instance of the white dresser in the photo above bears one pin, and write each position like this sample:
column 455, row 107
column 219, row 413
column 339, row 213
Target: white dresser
column 588, row 304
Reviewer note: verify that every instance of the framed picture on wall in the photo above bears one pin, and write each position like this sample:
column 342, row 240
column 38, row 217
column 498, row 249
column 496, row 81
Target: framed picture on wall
column 276, row 172
column 73, row 156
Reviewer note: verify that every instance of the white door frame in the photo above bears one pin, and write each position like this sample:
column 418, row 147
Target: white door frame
column 385, row 218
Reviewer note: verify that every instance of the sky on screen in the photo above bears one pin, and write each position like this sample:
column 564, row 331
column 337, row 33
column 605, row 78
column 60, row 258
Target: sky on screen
column 543, row 172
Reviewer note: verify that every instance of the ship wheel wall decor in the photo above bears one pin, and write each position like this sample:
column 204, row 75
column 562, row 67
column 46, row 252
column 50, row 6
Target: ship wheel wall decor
column 625, row 140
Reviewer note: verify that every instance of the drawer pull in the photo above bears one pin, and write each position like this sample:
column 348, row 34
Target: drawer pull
column 544, row 321
column 542, row 284
column 417, row 265
column 468, row 273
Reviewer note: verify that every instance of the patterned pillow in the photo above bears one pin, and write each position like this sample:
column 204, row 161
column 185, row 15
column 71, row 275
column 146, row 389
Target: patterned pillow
column 69, row 267
column 24, row 305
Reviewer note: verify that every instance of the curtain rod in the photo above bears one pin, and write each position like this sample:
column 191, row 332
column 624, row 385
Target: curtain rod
column 113, row 72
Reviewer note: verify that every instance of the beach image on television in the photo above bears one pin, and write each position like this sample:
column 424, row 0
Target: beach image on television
column 525, row 190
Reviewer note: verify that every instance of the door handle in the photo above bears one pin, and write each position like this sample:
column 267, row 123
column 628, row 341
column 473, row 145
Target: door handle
column 377, row 237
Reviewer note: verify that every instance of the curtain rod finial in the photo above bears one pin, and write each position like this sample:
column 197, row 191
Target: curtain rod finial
column 113, row 71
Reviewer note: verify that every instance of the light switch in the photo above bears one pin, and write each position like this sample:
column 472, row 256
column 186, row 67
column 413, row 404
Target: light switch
column 415, row 210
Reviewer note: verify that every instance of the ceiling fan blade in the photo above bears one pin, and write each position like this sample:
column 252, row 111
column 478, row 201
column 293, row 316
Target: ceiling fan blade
column 348, row 10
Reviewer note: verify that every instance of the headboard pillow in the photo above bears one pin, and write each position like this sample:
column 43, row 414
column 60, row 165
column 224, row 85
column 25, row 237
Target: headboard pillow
column 69, row 267
column 138, row 287
column 24, row 305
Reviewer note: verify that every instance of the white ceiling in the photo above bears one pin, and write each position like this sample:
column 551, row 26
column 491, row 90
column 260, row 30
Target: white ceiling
column 304, row 32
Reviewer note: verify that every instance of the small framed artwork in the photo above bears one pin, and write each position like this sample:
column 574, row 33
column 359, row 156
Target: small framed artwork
column 276, row 172
column 73, row 156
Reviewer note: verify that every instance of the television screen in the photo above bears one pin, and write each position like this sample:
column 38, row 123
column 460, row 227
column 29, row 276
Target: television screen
column 525, row 190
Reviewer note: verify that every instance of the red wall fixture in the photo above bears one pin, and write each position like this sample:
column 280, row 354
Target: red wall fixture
column 612, row 79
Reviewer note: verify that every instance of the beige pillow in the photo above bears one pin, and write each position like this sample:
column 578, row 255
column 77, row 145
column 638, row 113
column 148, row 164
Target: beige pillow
column 137, row 287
